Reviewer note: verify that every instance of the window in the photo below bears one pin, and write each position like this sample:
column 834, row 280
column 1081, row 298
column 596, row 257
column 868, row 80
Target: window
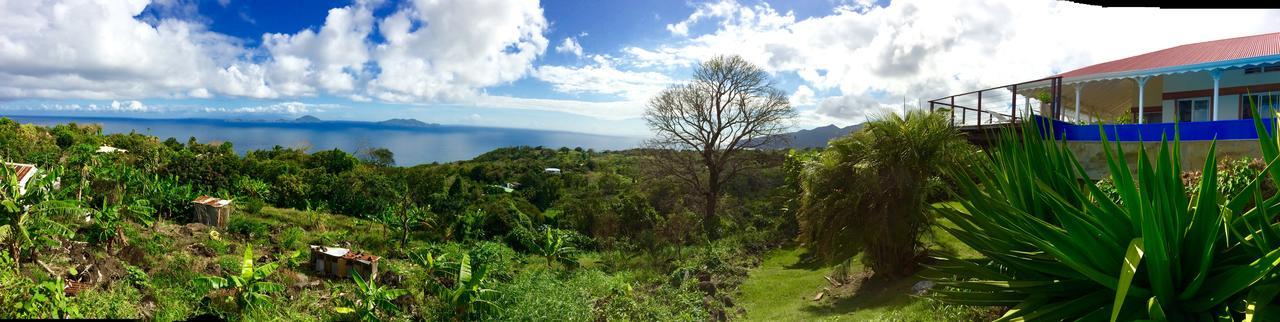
column 1268, row 104
column 1193, row 110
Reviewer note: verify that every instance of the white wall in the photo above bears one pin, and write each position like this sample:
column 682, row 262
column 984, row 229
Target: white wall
column 1169, row 113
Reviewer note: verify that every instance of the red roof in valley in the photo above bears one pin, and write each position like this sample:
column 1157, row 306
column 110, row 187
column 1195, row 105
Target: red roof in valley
column 22, row 169
column 1203, row 52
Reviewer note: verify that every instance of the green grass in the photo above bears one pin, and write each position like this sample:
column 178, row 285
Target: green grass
column 782, row 288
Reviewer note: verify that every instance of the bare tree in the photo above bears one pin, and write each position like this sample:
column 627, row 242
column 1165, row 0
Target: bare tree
column 699, row 128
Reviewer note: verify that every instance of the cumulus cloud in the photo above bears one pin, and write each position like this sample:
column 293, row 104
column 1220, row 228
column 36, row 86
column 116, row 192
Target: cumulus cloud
column 803, row 96
column 445, row 50
column 132, row 49
column 569, row 46
column 135, row 107
column 601, row 77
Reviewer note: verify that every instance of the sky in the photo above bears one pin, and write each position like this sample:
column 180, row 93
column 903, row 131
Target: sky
column 570, row 65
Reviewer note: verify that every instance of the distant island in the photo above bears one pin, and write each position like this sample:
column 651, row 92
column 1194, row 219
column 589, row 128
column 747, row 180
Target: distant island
column 396, row 122
column 407, row 123
column 307, row 119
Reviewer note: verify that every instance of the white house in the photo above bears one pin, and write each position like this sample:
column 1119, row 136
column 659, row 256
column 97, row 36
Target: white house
column 1199, row 92
column 551, row 170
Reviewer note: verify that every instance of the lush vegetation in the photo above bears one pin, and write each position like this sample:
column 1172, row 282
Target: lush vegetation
column 1017, row 232
column 604, row 239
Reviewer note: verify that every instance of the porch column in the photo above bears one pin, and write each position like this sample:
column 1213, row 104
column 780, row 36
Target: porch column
column 1078, row 87
column 1217, row 75
column 1142, row 84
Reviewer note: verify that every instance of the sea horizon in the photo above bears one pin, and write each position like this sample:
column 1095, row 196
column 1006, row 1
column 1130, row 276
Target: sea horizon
column 436, row 143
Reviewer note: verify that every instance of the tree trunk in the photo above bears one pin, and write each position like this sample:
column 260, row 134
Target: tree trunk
column 710, row 222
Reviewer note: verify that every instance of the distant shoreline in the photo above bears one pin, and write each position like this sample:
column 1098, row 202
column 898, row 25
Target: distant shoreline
column 315, row 125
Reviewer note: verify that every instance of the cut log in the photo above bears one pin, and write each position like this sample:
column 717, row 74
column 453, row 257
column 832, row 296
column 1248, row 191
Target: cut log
column 832, row 281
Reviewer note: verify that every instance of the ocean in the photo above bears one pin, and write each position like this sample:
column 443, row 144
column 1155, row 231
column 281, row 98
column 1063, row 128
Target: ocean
column 411, row 145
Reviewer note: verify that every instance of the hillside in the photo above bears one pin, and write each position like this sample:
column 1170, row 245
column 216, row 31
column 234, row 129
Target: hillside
column 812, row 138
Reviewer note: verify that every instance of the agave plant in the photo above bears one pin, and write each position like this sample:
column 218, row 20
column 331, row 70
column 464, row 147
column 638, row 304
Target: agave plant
column 250, row 288
column 1058, row 249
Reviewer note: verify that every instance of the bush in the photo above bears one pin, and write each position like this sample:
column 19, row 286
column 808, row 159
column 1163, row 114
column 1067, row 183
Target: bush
column 291, row 237
column 868, row 191
column 252, row 205
column 497, row 257
column 248, row 227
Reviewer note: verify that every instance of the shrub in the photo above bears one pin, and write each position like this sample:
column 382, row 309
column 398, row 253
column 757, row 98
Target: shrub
column 868, row 191
column 248, row 227
column 252, row 205
column 499, row 259
column 291, row 237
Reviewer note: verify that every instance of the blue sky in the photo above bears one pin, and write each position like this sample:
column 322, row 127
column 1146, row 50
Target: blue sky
column 586, row 66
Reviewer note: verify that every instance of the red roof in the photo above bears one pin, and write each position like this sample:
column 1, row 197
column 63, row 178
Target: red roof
column 1190, row 54
column 22, row 169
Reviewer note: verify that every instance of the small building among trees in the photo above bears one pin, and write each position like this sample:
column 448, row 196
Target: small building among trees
column 338, row 262
column 24, row 173
column 213, row 212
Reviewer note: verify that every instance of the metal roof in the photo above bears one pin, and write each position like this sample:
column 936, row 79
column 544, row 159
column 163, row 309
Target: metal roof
column 211, row 201
column 24, row 173
column 1230, row 52
column 346, row 253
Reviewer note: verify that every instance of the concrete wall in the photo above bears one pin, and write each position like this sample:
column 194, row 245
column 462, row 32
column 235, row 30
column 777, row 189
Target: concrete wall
column 1194, row 153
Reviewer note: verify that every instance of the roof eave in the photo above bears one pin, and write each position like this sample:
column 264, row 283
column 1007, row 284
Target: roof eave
column 1222, row 64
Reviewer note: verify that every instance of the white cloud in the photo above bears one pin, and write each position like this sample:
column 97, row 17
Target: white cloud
column 803, row 96
column 602, row 77
column 461, row 46
column 436, row 50
column 569, row 46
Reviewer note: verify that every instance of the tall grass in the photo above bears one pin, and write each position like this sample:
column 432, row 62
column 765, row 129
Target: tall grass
column 1057, row 248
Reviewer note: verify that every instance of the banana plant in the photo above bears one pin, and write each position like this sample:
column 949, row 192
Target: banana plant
column 469, row 295
column 1057, row 248
column 372, row 301
column 250, row 288
column 27, row 220
column 554, row 248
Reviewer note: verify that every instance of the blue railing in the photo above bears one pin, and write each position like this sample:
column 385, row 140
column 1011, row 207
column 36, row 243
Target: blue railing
column 1186, row 131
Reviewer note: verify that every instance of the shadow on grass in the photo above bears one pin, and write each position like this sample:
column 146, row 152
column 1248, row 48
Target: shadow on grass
column 808, row 261
column 871, row 293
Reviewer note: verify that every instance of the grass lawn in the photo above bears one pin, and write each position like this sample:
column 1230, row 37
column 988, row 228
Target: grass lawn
column 782, row 288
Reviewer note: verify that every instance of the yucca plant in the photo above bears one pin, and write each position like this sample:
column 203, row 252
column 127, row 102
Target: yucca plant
column 1058, row 249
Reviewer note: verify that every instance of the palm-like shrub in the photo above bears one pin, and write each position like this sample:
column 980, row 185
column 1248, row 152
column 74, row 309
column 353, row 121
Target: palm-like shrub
column 27, row 220
column 1058, row 248
column 867, row 191
column 250, row 288
column 372, row 301
column 470, row 296
column 555, row 248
